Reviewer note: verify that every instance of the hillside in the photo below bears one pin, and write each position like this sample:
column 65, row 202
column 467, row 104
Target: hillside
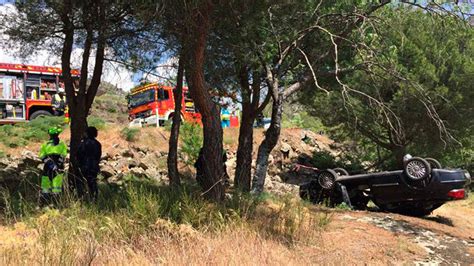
column 132, row 226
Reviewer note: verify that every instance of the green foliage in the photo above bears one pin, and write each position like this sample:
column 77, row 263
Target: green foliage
column 19, row 135
column 302, row 120
column 191, row 141
column 325, row 160
column 130, row 133
column 343, row 206
column 97, row 122
column 433, row 55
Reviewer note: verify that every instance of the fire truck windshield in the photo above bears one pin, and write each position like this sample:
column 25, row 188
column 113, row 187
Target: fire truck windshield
column 141, row 98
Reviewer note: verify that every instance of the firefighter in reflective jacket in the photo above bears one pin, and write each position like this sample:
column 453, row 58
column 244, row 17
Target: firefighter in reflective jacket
column 52, row 153
column 58, row 102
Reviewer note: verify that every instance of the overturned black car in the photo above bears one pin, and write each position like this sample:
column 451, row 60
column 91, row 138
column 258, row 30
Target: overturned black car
column 421, row 187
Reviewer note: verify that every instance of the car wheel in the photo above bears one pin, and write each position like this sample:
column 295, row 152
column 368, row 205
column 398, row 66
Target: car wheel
column 417, row 169
column 327, row 179
column 435, row 164
column 341, row 171
column 39, row 113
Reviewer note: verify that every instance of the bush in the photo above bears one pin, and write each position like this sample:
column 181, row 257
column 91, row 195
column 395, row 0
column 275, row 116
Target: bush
column 130, row 134
column 324, row 160
column 97, row 122
column 191, row 137
column 34, row 131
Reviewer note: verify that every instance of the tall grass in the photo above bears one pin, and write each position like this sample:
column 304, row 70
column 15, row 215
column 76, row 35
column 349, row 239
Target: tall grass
column 130, row 134
column 138, row 211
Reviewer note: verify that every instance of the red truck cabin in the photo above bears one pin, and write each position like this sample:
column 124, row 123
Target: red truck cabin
column 145, row 102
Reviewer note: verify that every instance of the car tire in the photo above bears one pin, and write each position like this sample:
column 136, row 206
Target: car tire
column 327, row 179
column 341, row 171
column 39, row 113
column 435, row 164
column 417, row 169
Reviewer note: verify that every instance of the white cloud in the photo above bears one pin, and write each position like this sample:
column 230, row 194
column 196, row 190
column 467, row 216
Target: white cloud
column 165, row 73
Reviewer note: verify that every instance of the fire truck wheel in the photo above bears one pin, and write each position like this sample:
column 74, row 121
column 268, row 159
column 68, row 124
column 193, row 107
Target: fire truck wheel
column 40, row 113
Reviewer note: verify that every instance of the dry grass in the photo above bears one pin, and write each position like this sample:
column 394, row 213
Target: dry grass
column 149, row 224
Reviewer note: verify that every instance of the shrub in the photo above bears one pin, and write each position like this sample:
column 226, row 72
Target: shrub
column 191, row 137
column 97, row 122
column 36, row 130
column 130, row 133
column 324, row 160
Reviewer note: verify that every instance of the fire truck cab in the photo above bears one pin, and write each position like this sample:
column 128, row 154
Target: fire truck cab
column 153, row 104
column 26, row 91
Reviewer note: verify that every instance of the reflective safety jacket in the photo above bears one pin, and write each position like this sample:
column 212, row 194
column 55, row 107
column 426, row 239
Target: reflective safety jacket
column 49, row 149
column 58, row 102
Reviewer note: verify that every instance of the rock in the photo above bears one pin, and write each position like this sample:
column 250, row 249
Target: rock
column 138, row 172
column 29, row 160
column 9, row 173
column 106, row 157
column 132, row 164
column 128, row 153
column 153, row 174
column 285, row 147
column 231, row 163
column 143, row 165
column 107, row 171
column 276, row 178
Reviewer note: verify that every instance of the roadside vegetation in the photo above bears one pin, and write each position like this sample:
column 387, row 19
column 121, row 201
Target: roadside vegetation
column 137, row 214
column 19, row 135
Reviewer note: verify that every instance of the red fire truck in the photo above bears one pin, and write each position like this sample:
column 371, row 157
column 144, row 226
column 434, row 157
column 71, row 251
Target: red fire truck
column 26, row 91
column 153, row 104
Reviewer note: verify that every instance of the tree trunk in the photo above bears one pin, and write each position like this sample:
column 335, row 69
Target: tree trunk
column 268, row 144
column 212, row 182
column 243, row 171
column 78, row 128
column 398, row 152
column 174, row 135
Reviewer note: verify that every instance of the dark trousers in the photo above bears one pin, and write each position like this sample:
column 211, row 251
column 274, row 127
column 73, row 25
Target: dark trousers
column 87, row 187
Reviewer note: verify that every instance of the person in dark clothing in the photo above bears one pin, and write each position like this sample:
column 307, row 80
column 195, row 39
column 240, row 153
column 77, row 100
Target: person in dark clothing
column 88, row 157
column 199, row 165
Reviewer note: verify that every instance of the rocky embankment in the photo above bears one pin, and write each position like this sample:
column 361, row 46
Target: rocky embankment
column 121, row 162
